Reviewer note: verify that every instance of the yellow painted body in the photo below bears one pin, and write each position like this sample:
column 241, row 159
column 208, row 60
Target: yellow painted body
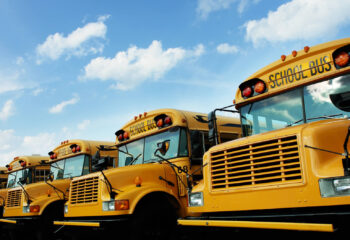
column 3, row 177
column 301, row 191
column 122, row 179
column 3, row 182
column 34, row 162
column 41, row 193
column 260, row 225
column 294, row 183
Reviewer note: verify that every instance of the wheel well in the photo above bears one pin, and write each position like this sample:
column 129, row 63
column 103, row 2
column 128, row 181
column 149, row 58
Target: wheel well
column 159, row 200
column 54, row 210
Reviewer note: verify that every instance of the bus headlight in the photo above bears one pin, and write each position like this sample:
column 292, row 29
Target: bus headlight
column 114, row 205
column 333, row 187
column 65, row 209
column 26, row 209
column 108, row 205
column 195, row 199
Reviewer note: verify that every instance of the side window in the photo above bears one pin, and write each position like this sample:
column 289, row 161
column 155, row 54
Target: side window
column 86, row 167
column 41, row 174
column 225, row 137
column 183, row 150
column 199, row 144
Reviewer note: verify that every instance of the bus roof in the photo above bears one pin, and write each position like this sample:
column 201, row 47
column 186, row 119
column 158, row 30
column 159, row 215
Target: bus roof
column 66, row 148
column 144, row 124
column 299, row 68
column 3, row 170
column 30, row 161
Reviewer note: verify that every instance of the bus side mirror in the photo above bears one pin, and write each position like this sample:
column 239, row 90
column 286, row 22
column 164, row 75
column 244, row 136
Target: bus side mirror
column 213, row 132
column 50, row 177
column 23, row 180
column 163, row 147
column 341, row 101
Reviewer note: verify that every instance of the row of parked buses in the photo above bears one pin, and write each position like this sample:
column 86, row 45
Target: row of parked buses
column 281, row 163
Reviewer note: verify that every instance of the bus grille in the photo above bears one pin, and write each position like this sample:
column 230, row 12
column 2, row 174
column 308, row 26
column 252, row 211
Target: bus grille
column 270, row 162
column 84, row 191
column 14, row 198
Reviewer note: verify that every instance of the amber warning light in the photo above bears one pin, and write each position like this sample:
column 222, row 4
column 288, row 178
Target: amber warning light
column 342, row 59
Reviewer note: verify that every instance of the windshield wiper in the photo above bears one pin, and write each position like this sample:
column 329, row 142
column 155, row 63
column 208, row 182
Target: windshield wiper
column 25, row 193
column 313, row 118
column 56, row 189
column 134, row 160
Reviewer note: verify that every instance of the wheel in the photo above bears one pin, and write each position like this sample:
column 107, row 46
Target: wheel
column 153, row 221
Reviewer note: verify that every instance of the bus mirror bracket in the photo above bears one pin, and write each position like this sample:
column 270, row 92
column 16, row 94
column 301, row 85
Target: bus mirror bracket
column 346, row 163
column 213, row 135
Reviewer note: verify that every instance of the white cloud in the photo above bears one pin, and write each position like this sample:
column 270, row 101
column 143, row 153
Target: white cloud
column 83, row 124
column 19, row 60
column 205, row 7
column 10, row 82
column 37, row 91
column 299, row 20
column 13, row 145
column 59, row 107
column 7, row 110
column 76, row 43
column 136, row 65
column 225, row 48
column 199, row 50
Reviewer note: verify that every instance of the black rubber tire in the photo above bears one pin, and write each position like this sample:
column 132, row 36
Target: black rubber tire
column 153, row 221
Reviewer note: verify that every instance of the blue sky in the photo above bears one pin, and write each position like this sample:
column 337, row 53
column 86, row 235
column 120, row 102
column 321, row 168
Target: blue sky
column 82, row 69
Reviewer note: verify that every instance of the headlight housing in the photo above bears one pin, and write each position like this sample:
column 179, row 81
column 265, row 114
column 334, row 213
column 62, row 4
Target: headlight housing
column 26, row 209
column 195, row 199
column 114, row 205
column 108, row 205
column 334, row 187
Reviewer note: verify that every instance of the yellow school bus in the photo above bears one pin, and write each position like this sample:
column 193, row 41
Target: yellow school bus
column 291, row 168
column 3, row 177
column 160, row 155
column 3, row 191
column 32, row 208
column 21, row 171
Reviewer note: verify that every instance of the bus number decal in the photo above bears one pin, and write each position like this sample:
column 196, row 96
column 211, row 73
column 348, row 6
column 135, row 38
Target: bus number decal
column 142, row 127
column 300, row 71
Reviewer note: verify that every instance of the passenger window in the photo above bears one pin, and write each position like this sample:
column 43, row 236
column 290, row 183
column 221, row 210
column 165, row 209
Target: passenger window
column 225, row 137
column 199, row 144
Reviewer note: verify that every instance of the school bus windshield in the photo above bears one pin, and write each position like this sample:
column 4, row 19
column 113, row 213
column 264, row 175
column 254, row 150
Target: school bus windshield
column 15, row 177
column 142, row 150
column 70, row 167
column 287, row 109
